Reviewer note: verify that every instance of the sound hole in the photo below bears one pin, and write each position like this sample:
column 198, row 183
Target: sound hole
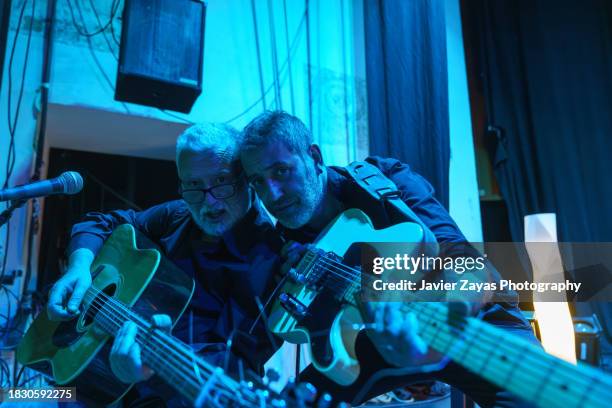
column 98, row 303
column 68, row 333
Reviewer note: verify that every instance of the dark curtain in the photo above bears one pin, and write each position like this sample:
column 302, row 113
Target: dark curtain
column 407, row 86
column 548, row 83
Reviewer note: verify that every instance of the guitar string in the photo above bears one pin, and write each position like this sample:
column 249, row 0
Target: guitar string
column 189, row 377
column 344, row 268
column 156, row 349
column 450, row 333
column 343, row 272
column 452, row 337
column 153, row 349
column 100, row 304
column 340, row 267
column 426, row 310
column 179, row 347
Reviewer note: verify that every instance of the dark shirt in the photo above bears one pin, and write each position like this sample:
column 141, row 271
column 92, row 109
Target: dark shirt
column 415, row 191
column 418, row 194
column 228, row 274
column 231, row 272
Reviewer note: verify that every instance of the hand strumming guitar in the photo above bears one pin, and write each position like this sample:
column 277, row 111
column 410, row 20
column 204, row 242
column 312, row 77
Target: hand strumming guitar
column 67, row 293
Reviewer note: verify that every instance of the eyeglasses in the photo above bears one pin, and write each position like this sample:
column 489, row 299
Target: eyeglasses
column 220, row 192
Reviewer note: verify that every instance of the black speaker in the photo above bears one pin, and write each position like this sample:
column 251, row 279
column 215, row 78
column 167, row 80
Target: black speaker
column 160, row 58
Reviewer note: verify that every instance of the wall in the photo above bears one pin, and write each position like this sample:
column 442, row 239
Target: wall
column 231, row 79
column 25, row 79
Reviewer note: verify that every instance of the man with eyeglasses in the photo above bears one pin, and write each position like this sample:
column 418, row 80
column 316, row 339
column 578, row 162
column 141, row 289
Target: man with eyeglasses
column 218, row 233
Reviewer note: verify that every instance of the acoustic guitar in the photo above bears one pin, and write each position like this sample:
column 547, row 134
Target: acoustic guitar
column 131, row 282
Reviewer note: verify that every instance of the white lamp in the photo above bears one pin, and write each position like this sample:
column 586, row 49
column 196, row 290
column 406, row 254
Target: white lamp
column 554, row 319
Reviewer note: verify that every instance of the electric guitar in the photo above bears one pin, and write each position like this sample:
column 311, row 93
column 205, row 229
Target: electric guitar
column 133, row 281
column 318, row 304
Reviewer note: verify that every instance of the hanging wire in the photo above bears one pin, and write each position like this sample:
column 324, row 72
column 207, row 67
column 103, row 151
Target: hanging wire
column 261, row 81
column 292, row 51
column 349, row 142
column 308, row 67
column 110, row 21
column 278, row 102
column 289, row 59
column 112, row 52
column 82, row 29
column 13, row 121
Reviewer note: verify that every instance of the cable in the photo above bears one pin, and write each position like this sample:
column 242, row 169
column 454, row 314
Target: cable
column 5, row 250
column 101, row 69
column 12, row 123
column 93, row 8
column 282, row 68
column 288, row 59
column 261, row 81
column 9, row 325
column 5, row 375
column 349, row 144
column 278, row 102
column 112, row 30
column 83, row 30
column 112, row 52
column 308, row 67
column 18, row 375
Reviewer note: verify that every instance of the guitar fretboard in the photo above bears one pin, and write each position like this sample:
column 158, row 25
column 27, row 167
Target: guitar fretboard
column 510, row 361
column 171, row 359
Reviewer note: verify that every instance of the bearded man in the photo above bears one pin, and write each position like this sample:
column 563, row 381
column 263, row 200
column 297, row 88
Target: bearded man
column 289, row 175
column 217, row 233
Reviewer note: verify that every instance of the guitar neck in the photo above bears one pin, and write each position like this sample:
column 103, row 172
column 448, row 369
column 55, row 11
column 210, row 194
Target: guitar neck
column 175, row 362
column 509, row 361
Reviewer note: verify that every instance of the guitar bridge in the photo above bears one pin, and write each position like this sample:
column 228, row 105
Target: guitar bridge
column 292, row 305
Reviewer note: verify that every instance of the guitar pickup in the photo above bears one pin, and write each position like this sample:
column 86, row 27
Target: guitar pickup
column 292, row 305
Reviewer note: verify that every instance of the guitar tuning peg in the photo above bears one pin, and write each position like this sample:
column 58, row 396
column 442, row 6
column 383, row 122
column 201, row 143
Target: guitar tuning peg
column 296, row 276
column 278, row 403
column 305, row 392
column 324, row 401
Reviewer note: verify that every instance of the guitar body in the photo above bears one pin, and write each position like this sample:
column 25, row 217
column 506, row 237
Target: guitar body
column 129, row 269
column 374, row 377
column 330, row 325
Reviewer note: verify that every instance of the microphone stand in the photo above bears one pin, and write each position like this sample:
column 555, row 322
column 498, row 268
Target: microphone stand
column 6, row 214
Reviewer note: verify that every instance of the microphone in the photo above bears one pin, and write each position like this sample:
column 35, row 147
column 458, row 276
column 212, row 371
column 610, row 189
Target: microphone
column 69, row 182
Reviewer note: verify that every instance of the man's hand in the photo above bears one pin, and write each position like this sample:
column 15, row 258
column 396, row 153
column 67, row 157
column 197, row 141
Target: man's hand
column 292, row 252
column 67, row 294
column 395, row 333
column 125, row 356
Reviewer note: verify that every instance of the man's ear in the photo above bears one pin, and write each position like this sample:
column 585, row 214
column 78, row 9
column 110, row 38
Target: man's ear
column 315, row 153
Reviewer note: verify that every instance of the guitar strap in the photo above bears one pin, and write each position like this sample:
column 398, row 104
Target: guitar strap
column 381, row 188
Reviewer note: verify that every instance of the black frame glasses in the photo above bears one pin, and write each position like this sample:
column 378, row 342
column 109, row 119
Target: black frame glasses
column 219, row 192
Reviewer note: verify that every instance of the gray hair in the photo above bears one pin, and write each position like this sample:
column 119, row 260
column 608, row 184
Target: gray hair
column 217, row 137
column 277, row 126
